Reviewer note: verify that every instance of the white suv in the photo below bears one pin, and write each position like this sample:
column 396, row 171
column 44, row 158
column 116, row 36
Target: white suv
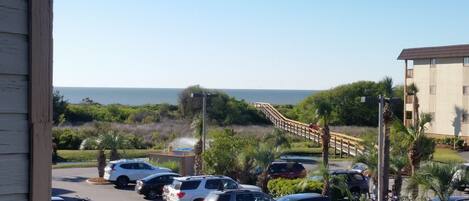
column 196, row 188
column 122, row 172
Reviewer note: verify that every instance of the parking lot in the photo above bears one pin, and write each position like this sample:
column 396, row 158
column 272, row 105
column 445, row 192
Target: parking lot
column 71, row 185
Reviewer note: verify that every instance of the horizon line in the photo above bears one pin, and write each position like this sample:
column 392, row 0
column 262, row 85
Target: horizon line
column 97, row 87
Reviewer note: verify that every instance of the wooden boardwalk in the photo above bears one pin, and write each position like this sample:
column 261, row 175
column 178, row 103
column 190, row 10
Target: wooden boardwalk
column 341, row 143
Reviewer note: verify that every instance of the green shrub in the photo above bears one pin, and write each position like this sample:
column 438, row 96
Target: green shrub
column 67, row 138
column 173, row 165
column 281, row 187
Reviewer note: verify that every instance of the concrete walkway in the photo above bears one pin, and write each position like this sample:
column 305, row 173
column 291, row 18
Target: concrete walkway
column 464, row 155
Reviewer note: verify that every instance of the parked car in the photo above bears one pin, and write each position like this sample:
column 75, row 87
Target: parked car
column 357, row 182
column 360, row 167
column 304, row 197
column 454, row 198
column 123, row 172
column 196, row 188
column 152, row 186
column 238, row 195
column 288, row 170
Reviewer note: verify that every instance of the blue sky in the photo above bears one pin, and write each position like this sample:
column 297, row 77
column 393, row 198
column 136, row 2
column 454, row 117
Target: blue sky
column 244, row 44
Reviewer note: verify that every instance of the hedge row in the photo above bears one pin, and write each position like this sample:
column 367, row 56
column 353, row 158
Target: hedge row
column 281, row 187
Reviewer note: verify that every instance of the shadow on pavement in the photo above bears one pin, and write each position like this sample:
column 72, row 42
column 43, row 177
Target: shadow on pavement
column 128, row 188
column 71, row 179
column 75, row 199
column 60, row 191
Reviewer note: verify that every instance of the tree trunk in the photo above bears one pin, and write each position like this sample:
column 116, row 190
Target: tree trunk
column 387, row 118
column 398, row 184
column 101, row 162
column 326, row 138
column 262, row 181
column 416, row 111
column 415, row 165
column 198, row 161
column 325, row 156
column 114, row 155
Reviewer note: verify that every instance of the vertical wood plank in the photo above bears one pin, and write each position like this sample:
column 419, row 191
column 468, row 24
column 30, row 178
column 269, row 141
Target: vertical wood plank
column 40, row 98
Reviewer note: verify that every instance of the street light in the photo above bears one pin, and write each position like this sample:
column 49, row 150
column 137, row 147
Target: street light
column 204, row 96
column 383, row 143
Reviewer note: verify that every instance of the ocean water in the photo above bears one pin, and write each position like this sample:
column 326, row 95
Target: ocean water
column 140, row 96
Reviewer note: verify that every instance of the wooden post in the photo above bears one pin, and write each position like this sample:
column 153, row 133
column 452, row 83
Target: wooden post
column 40, row 98
column 348, row 148
column 335, row 146
column 341, row 147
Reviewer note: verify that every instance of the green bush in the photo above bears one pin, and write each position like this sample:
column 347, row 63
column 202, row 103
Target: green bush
column 347, row 109
column 173, row 165
column 67, row 138
column 281, row 187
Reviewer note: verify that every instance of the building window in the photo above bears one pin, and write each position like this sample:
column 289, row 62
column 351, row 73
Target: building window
column 433, row 63
column 466, row 61
column 410, row 73
column 465, row 90
column 408, row 114
column 432, row 89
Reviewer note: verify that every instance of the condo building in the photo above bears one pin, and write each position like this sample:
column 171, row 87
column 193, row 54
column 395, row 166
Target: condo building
column 441, row 75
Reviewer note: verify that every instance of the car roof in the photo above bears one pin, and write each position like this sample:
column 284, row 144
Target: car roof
column 235, row 191
column 128, row 161
column 201, row 177
column 302, row 196
column 284, row 162
column 343, row 171
column 160, row 174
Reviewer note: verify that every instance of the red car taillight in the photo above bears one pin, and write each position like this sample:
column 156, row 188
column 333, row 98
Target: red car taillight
column 181, row 195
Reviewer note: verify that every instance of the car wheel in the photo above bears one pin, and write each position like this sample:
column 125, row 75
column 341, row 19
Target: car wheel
column 152, row 194
column 122, row 181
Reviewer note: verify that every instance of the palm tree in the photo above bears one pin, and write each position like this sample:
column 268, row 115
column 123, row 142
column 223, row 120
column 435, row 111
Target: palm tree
column 197, row 125
column 440, row 178
column 110, row 140
column 338, row 184
column 398, row 164
column 263, row 156
column 420, row 147
column 278, row 139
column 323, row 114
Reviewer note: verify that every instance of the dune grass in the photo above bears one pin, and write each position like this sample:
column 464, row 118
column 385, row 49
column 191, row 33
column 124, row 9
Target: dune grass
column 446, row 155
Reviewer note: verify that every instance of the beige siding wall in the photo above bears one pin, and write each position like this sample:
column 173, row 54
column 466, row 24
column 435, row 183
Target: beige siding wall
column 448, row 104
column 14, row 132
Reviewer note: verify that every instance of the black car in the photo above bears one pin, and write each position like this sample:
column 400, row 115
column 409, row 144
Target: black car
column 357, row 182
column 238, row 195
column 152, row 186
column 287, row 170
column 304, row 197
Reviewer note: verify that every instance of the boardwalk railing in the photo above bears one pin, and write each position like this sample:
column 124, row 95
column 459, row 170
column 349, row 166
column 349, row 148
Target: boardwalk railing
column 339, row 142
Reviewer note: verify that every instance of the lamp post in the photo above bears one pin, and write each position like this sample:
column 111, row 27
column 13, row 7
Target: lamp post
column 384, row 117
column 204, row 96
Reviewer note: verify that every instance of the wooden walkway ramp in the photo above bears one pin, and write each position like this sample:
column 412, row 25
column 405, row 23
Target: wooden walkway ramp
column 341, row 143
